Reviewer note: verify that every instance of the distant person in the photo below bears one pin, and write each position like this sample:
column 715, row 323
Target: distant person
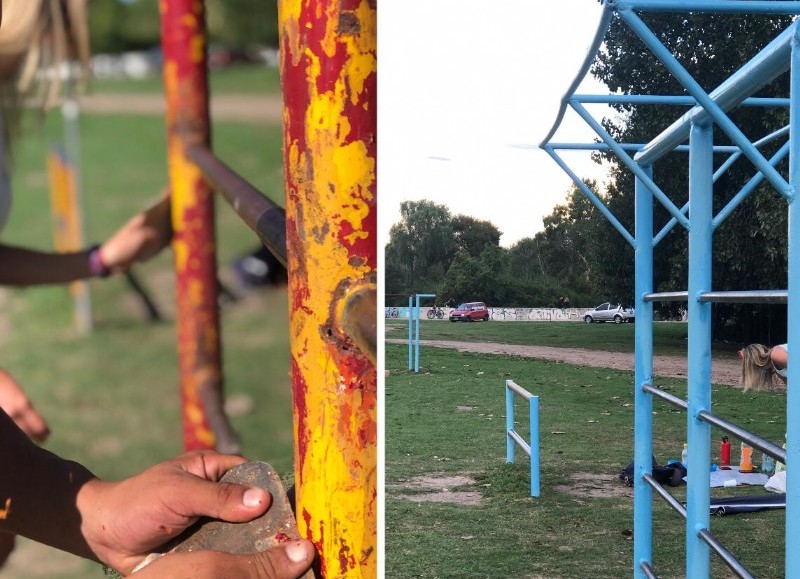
column 760, row 364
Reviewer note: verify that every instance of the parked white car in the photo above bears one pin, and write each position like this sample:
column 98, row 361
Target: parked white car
column 607, row 312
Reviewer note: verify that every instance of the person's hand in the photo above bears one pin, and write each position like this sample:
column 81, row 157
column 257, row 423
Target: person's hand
column 142, row 237
column 287, row 561
column 125, row 521
column 19, row 407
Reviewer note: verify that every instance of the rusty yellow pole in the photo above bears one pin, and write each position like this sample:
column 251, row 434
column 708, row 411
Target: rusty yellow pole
column 328, row 77
column 183, row 36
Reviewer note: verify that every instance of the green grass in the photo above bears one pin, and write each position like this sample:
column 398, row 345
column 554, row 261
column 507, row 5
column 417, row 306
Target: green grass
column 448, row 420
column 112, row 398
column 669, row 338
column 241, row 79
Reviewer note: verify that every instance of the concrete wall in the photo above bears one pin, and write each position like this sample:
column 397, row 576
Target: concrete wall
column 505, row 314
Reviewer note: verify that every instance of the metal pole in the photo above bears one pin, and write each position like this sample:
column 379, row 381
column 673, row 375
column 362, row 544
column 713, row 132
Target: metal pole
column 410, row 332
column 643, row 374
column 329, row 79
column 510, row 445
column 793, row 313
column 534, row 422
column 701, row 170
column 183, row 38
column 416, row 338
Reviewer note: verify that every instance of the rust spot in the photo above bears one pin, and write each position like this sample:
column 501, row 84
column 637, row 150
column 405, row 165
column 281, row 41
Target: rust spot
column 349, row 24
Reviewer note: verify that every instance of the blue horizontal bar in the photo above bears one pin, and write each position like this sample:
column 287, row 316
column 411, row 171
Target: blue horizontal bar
column 647, row 99
column 726, row 149
column 724, row 6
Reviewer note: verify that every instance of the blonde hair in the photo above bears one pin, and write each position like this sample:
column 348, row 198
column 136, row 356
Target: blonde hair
column 757, row 367
column 37, row 38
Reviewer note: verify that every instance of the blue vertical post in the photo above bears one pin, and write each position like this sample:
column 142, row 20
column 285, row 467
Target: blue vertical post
column 416, row 339
column 410, row 332
column 534, row 422
column 793, row 290
column 643, row 401
column 510, row 443
column 698, row 494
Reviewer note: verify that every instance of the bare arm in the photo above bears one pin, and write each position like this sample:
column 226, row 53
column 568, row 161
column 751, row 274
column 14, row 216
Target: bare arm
column 60, row 503
column 142, row 237
column 780, row 359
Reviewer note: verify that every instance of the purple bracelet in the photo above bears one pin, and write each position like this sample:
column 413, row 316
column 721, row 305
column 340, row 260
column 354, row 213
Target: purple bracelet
column 96, row 266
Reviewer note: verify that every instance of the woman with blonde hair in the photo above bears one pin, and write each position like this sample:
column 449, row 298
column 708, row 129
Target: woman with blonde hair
column 760, row 364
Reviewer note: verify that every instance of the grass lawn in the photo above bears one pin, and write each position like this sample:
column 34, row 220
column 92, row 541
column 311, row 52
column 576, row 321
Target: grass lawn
column 445, row 449
column 111, row 398
column 669, row 338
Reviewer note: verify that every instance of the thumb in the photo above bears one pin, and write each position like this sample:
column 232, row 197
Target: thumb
column 286, row 561
column 229, row 502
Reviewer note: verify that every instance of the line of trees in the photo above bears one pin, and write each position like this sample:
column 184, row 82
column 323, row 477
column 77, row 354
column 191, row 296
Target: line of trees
column 134, row 25
column 578, row 254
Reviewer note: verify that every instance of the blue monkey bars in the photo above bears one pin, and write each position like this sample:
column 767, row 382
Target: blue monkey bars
column 707, row 110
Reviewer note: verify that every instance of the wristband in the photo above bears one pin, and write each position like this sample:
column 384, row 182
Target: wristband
column 96, row 266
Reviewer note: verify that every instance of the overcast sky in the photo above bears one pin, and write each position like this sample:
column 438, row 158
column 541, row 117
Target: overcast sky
column 463, row 87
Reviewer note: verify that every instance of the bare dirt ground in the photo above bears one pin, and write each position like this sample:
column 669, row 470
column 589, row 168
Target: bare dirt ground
column 261, row 109
column 723, row 371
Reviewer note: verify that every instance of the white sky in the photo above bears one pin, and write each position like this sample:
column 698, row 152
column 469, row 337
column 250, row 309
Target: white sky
column 461, row 85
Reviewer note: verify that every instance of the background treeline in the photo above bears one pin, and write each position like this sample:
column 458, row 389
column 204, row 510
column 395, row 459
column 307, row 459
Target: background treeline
column 135, row 25
column 578, row 254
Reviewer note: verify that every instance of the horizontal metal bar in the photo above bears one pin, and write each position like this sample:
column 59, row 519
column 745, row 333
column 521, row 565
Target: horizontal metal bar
column 753, row 440
column 262, row 215
column 519, row 440
column 666, row 396
column 726, row 556
column 718, row 6
column 648, row 570
column 723, row 297
column 518, row 389
column 664, row 494
column 745, row 297
column 648, row 99
column 767, row 65
column 724, row 149
column 667, row 297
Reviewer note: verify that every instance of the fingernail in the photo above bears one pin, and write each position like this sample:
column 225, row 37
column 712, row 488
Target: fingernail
column 254, row 497
column 297, row 552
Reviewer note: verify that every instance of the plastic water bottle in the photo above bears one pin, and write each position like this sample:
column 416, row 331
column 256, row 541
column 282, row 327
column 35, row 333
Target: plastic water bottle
column 685, row 454
column 767, row 464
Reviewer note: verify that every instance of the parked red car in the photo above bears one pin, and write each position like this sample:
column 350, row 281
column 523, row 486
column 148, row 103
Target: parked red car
column 470, row 312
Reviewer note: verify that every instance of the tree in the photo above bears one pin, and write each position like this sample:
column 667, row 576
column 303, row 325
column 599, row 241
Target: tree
column 420, row 248
column 473, row 235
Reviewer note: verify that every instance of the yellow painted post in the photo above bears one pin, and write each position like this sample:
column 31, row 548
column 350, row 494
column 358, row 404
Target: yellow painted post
column 183, row 36
column 328, row 77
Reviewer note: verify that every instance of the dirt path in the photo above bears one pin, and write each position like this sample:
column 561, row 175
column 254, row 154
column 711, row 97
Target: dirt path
column 723, row 371
column 261, row 109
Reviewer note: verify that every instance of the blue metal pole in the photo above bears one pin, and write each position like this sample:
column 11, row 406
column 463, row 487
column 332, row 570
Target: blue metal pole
column 410, row 332
column 793, row 298
column 510, row 443
column 718, row 6
column 698, row 494
column 629, row 162
column 590, row 195
column 416, row 340
column 643, row 374
column 534, row 422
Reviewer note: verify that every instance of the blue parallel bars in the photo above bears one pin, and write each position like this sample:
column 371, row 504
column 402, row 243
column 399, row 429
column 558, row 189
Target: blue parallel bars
column 512, row 436
column 413, row 332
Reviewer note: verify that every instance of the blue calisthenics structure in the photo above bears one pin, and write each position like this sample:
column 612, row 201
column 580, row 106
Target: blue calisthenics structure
column 696, row 125
column 513, row 437
column 413, row 330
